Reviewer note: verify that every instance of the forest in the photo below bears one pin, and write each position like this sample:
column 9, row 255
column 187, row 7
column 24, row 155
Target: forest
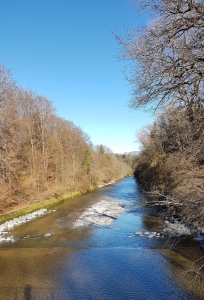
column 43, row 155
column 166, row 74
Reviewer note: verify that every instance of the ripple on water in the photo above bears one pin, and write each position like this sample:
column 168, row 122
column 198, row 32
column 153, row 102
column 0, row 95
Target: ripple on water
column 91, row 274
column 115, row 263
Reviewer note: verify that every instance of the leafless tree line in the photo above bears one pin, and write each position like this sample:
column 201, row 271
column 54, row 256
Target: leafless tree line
column 43, row 155
column 167, row 76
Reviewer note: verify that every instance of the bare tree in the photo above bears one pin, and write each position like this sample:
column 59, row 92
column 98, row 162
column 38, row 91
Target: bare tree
column 41, row 154
column 168, row 55
column 9, row 135
column 7, row 85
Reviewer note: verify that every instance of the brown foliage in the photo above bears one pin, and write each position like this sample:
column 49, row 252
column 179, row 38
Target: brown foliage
column 171, row 160
column 43, row 155
column 167, row 73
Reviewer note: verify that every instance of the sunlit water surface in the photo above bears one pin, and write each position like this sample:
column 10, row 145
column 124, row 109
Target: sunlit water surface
column 108, row 262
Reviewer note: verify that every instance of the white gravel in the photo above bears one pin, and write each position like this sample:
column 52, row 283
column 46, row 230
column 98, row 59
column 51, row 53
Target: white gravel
column 102, row 213
column 5, row 228
column 177, row 228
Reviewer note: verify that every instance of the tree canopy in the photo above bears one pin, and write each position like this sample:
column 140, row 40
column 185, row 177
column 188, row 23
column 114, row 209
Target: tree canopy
column 167, row 56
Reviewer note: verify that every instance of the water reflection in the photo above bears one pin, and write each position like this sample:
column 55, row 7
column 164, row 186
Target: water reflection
column 109, row 262
column 89, row 274
column 152, row 223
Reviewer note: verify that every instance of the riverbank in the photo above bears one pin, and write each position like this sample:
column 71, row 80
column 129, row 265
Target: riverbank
column 180, row 217
column 176, row 224
column 29, row 208
column 22, row 209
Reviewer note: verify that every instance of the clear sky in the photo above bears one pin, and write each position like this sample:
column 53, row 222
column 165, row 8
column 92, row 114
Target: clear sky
column 65, row 51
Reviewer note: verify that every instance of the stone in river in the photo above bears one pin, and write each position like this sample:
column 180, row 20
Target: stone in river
column 150, row 236
column 138, row 233
column 47, row 234
column 147, row 233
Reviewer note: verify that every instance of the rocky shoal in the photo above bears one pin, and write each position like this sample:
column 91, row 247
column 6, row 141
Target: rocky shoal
column 102, row 213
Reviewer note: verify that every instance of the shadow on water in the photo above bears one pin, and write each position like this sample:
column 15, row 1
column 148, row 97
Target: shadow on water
column 27, row 292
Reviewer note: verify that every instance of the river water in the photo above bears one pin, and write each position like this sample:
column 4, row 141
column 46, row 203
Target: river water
column 108, row 262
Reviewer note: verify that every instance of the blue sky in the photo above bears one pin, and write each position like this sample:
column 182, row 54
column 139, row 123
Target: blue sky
column 65, row 51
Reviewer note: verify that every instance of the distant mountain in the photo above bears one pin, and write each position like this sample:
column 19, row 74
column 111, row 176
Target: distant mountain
column 130, row 153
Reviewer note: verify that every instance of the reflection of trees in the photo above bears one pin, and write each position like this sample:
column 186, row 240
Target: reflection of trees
column 152, row 222
column 187, row 267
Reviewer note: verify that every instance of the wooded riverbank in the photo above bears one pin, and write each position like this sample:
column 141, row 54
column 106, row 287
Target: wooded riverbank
column 42, row 155
column 166, row 75
column 16, row 212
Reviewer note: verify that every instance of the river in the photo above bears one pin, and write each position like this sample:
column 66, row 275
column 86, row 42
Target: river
column 107, row 262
